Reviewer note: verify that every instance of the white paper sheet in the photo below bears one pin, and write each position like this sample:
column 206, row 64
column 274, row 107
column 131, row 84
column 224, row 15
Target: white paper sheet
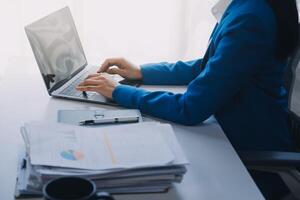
column 112, row 147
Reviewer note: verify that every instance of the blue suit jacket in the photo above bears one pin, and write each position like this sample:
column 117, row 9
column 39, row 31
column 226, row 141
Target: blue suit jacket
column 240, row 81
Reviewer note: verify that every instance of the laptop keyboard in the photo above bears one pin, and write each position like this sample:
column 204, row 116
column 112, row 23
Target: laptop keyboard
column 71, row 89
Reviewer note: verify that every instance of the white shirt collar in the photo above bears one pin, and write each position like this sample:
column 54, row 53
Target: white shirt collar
column 219, row 8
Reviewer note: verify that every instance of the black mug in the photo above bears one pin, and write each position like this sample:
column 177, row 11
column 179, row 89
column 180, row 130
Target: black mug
column 73, row 188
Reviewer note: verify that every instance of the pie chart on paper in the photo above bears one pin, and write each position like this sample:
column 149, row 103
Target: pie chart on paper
column 72, row 155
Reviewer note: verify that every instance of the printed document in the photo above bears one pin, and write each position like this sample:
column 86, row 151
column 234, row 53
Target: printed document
column 110, row 147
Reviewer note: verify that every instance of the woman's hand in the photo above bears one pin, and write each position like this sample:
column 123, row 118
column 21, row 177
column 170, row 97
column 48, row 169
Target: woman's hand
column 122, row 67
column 98, row 83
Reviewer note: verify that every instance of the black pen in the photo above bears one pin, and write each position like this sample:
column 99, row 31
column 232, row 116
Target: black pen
column 110, row 121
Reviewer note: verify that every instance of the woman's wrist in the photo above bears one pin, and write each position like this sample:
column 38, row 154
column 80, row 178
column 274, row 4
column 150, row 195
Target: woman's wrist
column 138, row 73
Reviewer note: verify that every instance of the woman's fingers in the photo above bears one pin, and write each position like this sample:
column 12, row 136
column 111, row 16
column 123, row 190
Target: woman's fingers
column 92, row 76
column 88, row 87
column 84, row 87
column 111, row 62
column 115, row 70
column 91, row 88
column 88, row 82
column 99, row 84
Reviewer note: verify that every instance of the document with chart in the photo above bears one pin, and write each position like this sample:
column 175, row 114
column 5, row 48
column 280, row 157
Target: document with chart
column 109, row 147
column 131, row 158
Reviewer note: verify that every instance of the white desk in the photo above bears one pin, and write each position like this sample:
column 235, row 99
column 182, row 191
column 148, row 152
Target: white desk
column 215, row 171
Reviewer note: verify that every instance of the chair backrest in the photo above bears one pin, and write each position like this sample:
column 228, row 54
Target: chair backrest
column 293, row 86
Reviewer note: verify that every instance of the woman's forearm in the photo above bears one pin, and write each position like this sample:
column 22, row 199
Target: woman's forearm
column 179, row 73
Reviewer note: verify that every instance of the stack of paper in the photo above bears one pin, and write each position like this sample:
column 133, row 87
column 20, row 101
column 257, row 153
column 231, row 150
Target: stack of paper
column 135, row 158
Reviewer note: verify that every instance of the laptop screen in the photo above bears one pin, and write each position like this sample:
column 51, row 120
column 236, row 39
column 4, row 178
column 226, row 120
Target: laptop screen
column 56, row 46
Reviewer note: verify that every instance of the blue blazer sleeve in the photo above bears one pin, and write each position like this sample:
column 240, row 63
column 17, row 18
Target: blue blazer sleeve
column 238, row 52
column 179, row 73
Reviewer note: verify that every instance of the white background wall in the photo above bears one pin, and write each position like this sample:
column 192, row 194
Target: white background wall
column 142, row 30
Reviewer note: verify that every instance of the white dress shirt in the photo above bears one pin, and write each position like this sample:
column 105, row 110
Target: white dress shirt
column 219, row 8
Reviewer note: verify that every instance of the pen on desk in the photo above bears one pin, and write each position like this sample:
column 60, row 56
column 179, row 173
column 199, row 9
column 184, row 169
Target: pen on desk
column 110, row 121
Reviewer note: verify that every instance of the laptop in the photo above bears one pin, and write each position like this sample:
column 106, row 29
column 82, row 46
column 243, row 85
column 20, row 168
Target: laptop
column 60, row 57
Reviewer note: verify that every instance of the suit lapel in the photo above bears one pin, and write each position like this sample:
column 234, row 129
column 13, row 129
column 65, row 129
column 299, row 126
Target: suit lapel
column 215, row 32
column 207, row 53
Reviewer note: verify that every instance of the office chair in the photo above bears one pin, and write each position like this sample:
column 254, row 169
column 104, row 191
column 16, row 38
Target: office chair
column 286, row 164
